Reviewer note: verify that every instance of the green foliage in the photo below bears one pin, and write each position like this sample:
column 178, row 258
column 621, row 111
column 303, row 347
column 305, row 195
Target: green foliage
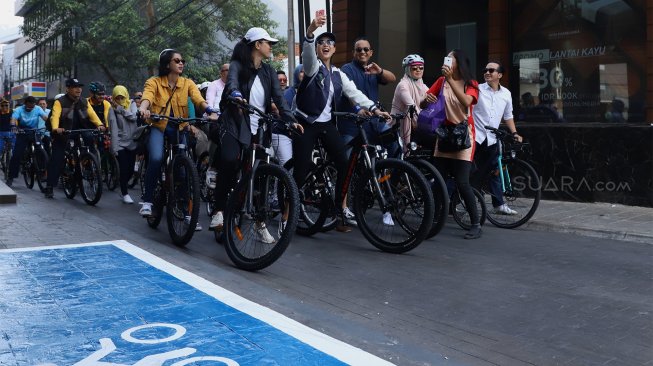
column 123, row 38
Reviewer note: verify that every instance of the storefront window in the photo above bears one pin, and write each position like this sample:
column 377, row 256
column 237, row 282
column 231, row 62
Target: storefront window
column 579, row 61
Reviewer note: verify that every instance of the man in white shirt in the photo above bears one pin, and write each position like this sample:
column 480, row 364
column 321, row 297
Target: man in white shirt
column 494, row 104
column 213, row 98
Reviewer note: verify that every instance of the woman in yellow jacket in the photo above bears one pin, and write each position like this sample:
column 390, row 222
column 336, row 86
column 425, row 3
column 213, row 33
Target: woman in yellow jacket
column 168, row 95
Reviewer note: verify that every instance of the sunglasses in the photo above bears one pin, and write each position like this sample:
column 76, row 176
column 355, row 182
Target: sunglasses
column 363, row 49
column 329, row 42
column 416, row 68
column 490, row 70
column 179, row 61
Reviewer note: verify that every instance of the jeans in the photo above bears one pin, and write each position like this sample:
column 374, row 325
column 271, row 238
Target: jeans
column 155, row 149
column 20, row 145
column 485, row 158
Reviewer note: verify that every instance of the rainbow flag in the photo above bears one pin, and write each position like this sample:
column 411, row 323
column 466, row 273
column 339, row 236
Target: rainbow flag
column 39, row 89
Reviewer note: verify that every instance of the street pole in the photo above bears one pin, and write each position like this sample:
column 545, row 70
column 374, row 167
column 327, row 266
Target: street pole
column 291, row 43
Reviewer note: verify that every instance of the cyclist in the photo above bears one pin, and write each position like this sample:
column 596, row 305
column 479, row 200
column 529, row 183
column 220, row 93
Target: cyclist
column 100, row 105
column 321, row 88
column 69, row 112
column 6, row 131
column 166, row 94
column 494, row 104
column 29, row 115
column 410, row 92
column 254, row 81
column 122, row 143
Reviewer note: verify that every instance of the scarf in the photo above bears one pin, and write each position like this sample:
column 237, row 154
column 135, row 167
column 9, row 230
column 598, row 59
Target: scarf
column 121, row 90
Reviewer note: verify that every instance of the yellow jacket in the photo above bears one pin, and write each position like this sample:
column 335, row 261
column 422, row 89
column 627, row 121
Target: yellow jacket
column 157, row 92
column 107, row 107
column 62, row 114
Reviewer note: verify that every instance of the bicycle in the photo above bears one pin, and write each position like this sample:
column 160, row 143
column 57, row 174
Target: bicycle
column 404, row 214
column 6, row 155
column 108, row 163
column 81, row 168
column 177, row 187
column 34, row 165
column 250, row 207
column 520, row 184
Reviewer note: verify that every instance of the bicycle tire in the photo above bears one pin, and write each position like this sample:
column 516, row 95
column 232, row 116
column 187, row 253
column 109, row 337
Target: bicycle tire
column 69, row 176
column 41, row 160
column 143, row 174
column 410, row 203
column 241, row 222
column 158, row 204
column 440, row 194
column 313, row 207
column 27, row 169
column 460, row 213
column 90, row 183
column 202, row 167
column 522, row 194
column 183, row 200
column 110, row 170
column 6, row 158
column 136, row 177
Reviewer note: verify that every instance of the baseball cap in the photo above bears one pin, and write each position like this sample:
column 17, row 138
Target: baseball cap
column 73, row 82
column 256, row 33
column 326, row 35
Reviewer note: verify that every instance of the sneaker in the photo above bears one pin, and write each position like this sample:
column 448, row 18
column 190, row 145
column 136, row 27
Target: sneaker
column 349, row 216
column 504, row 210
column 198, row 226
column 127, row 199
column 210, row 178
column 217, row 222
column 146, row 209
column 263, row 234
column 9, row 182
column 137, row 165
column 48, row 192
column 282, row 226
column 474, row 232
column 387, row 219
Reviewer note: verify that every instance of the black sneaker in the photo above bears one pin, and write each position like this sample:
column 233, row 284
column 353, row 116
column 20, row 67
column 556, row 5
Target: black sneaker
column 474, row 232
column 48, row 192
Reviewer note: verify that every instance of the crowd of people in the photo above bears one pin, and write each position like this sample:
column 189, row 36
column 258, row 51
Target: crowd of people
column 319, row 88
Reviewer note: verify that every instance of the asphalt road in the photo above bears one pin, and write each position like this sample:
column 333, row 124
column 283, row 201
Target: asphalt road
column 513, row 297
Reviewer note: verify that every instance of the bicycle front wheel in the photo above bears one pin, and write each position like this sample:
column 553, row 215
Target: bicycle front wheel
column 407, row 217
column 41, row 168
column 91, row 179
column 27, row 167
column 111, row 173
column 256, row 233
column 461, row 213
column 522, row 193
column 69, row 177
column 183, row 207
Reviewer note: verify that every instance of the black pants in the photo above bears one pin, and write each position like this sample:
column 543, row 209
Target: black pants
column 126, row 160
column 22, row 140
column 459, row 170
column 227, row 156
column 303, row 151
column 59, row 143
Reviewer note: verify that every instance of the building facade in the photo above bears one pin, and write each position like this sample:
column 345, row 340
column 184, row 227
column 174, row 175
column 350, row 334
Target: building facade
column 580, row 73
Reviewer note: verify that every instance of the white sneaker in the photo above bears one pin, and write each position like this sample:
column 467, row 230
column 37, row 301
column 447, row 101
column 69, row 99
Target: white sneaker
column 263, row 234
column 146, row 209
column 137, row 165
column 387, row 219
column 217, row 222
column 210, row 178
column 282, row 226
column 349, row 216
column 127, row 199
column 504, row 210
column 198, row 226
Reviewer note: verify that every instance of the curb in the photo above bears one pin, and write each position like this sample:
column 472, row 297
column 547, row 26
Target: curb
column 7, row 195
column 591, row 232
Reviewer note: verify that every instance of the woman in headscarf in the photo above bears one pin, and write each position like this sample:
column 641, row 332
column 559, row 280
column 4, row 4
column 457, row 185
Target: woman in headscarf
column 122, row 144
column 410, row 92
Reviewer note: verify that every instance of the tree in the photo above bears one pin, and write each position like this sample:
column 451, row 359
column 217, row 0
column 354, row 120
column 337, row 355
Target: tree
column 123, row 38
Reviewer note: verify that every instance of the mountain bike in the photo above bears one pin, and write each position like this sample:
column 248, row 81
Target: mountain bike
column 250, row 206
column 6, row 155
column 177, row 187
column 108, row 163
column 392, row 200
column 81, row 168
column 34, row 165
column 519, row 184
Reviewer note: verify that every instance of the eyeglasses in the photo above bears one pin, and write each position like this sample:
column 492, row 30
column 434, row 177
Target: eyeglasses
column 363, row 49
column 179, row 61
column 329, row 42
column 416, row 68
column 490, row 70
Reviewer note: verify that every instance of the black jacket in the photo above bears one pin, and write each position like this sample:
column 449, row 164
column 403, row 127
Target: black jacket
column 236, row 123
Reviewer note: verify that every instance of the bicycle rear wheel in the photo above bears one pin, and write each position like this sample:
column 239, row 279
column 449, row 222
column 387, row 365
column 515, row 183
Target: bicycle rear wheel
column 254, row 236
column 27, row 168
column 6, row 158
column 440, row 194
column 202, row 167
column 523, row 190
column 138, row 173
column 407, row 219
column 313, row 201
column 91, row 179
column 460, row 213
column 182, row 211
column 110, row 170
column 41, row 167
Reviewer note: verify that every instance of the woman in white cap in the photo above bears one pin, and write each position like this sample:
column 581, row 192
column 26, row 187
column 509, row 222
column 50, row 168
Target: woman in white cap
column 253, row 81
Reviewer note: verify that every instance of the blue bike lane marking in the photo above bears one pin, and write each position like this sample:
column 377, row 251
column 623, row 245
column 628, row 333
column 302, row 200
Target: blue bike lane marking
column 114, row 304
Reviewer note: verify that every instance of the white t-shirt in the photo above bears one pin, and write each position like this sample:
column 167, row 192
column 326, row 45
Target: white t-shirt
column 257, row 99
column 326, row 113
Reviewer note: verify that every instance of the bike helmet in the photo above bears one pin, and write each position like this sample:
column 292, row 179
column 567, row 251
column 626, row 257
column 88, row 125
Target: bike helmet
column 96, row 87
column 205, row 85
column 412, row 59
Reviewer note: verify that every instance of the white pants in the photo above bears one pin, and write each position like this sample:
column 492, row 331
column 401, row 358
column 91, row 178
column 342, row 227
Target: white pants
column 282, row 146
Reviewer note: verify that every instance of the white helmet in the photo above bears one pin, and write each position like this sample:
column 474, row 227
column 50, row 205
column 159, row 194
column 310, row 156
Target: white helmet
column 412, row 59
column 205, row 85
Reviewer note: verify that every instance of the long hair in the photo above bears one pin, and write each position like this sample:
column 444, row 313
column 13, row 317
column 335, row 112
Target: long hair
column 464, row 68
column 164, row 61
column 243, row 54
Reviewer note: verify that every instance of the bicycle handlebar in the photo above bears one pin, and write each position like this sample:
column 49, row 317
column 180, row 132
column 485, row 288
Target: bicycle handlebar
column 179, row 120
column 266, row 116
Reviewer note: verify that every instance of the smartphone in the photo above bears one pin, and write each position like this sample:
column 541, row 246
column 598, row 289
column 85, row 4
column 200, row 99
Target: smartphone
column 320, row 13
column 448, row 61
